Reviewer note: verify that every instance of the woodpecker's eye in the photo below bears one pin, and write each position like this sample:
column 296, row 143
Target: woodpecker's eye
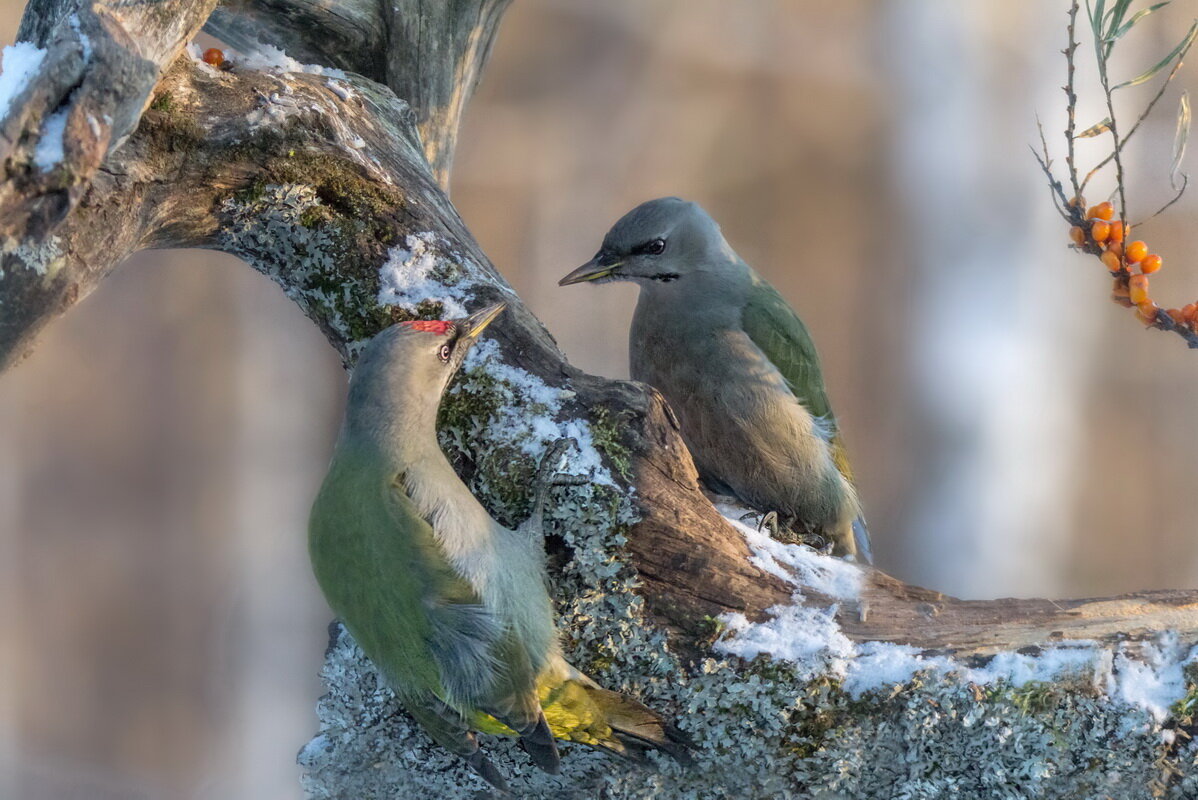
column 444, row 352
column 652, row 248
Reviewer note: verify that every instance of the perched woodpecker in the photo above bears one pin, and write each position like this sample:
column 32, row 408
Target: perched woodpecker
column 737, row 366
column 450, row 605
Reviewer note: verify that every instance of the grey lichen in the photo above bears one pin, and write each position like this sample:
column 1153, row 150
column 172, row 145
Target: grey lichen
column 42, row 257
column 288, row 233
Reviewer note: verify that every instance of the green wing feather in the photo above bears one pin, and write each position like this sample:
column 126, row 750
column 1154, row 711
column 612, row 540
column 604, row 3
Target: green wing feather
column 781, row 335
column 380, row 568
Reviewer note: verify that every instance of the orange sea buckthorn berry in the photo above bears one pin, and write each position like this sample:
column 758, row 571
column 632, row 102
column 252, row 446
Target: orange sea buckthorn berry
column 1077, row 202
column 214, row 56
column 1100, row 230
column 1150, row 264
column 1117, row 231
column 1115, row 247
column 1120, row 288
column 1112, row 261
column 1146, row 313
column 1077, row 235
column 1175, row 315
column 1135, row 251
column 1189, row 312
column 1137, row 289
column 1103, row 211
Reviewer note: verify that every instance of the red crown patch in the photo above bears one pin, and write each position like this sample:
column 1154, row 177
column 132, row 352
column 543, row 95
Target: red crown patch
column 437, row 326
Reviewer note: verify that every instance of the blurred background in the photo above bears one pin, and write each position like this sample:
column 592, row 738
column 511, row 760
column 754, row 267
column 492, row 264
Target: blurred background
column 1014, row 433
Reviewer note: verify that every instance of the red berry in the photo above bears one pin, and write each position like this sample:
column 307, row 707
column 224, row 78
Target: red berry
column 214, row 56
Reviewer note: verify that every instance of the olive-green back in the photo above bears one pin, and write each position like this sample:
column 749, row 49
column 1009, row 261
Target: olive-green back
column 781, row 335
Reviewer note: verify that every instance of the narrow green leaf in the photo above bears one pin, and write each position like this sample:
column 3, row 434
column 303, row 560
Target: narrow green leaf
column 1116, row 14
column 1096, row 15
column 1139, row 15
column 1095, row 129
column 1178, row 52
column 1180, row 138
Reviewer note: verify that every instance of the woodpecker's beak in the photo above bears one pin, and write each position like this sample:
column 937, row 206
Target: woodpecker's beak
column 601, row 266
column 477, row 322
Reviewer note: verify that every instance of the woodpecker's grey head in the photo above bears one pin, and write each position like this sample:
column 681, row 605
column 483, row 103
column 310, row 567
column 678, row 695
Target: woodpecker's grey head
column 657, row 242
column 415, row 360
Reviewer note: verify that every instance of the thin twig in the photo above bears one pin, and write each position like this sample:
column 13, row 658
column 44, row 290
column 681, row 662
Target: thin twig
column 1114, row 130
column 1059, row 201
column 1185, row 181
column 1071, row 97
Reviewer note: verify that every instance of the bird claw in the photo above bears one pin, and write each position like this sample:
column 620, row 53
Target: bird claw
column 769, row 522
column 549, row 471
column 549, row 474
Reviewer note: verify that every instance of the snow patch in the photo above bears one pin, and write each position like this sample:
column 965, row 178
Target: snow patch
column 1156, row 680
column 340, row 89
column 20, row 62
column 527, row 414
column 269, row 58
column 422, row 270
column 795, row 563
column 810, row 638
column 417, row 272
column 49, row 151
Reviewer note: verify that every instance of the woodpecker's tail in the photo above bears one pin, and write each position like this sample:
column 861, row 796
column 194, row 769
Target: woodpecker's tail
column 579, row 710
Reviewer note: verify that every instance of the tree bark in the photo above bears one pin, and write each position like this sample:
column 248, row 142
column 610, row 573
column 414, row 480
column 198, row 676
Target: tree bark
column 333, row 184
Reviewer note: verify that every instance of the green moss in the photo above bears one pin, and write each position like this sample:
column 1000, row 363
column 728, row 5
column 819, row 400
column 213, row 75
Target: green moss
column 708, row 630
column 501, row 474
column 1186, row 709
column 164, row 101
column 1034, row 697
column 607, row 431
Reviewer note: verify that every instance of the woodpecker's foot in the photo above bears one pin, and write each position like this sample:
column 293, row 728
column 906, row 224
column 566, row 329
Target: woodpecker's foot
column 549, row 472
column 788, row 531
column 769, row 523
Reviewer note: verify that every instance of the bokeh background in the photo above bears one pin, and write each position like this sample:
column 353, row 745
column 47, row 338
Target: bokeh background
column 1014, row 433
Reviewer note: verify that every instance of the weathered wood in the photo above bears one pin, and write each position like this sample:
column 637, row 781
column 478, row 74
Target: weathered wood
column 430, row 52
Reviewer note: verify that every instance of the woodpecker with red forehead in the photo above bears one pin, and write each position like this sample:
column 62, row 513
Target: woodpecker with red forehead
column 449, row 605
column 738, row 367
